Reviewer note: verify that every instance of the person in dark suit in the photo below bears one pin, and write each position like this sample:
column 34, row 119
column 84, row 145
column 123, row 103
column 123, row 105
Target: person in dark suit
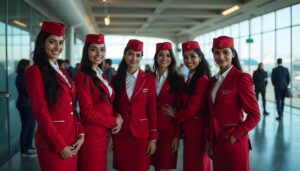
column 260, row 79
column 280, row 81
column 25, row 109
column 108, row 70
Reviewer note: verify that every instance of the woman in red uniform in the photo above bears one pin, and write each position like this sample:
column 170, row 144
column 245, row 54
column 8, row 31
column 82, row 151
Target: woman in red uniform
column 193, row 112
column 95, row 96
column 231, row 94
column 51, row 92
column 136, row 102
column 168, row 88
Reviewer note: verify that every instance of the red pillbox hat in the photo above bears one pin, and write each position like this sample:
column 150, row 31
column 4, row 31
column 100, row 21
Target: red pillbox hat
column 94, row 38
column 163, row 46
column 55, row 28
column 223, row 42
column 190, row 45
column 135, row 45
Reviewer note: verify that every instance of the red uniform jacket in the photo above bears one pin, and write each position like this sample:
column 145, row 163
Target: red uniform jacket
column 193, row 111
column 166, row 123
column 234, row 97
column 58, row 125
column 139, row 113
column 97, row 114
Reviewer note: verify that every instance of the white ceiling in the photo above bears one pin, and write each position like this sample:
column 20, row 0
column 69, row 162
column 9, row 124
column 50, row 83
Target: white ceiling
column 177, row 20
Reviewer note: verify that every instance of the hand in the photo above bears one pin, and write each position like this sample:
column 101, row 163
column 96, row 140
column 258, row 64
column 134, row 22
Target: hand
column 117, row 128
column 151, row 147
column 67, row 152
column 232, row 139
column 110, row 143
column 175, row 144
column 77, row 145
column 169, row 110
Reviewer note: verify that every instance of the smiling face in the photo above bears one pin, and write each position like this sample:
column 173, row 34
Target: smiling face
column 133, row 59
column 54, row 45
column 163, row 59
column 96, row 54
column 191, row 60
column 223, row 58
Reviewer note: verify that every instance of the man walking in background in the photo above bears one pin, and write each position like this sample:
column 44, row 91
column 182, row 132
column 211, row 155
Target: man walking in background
column 280, row 81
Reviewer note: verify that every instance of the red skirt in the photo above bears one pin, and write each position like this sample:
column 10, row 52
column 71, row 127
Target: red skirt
column 164, row 158
column 50, row 161
column 130, row 154
column 194, row 157
column 93, row 153
column 233, row 157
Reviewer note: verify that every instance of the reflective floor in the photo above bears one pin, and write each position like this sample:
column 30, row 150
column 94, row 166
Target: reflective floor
column 276, row 145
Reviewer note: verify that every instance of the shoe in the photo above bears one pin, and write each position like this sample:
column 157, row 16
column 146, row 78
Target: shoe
column 266, row 113
column 28, row 154
column 279, row 118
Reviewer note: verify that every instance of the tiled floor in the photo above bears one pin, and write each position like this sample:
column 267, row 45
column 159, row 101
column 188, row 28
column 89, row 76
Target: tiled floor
column 276, row 145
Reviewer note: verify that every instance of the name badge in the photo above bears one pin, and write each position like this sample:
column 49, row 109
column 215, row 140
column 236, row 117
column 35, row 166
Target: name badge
column 226, row 92
column 145, row 90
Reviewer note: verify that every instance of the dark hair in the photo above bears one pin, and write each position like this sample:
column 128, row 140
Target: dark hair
column 119, row 79
column 108, row 61
column 60, row 62
column 202, row 69
column 235, row 61
column 67, row 61
column 174, row 75
column 279, row 61
column 22, row 65
column 86, row 67
column 41, row 59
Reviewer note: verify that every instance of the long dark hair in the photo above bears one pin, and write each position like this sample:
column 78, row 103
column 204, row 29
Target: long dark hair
column 235, row 61
column 119, row 79
column 22, row 65
column 86, row 67
column 174, row 75
column 202, row 69
column 41, row 59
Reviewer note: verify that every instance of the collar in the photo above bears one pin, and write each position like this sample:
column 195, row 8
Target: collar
column 54, row 65
column 222, row 76
column 98, row 70
column 134, row 75
column 164, row 75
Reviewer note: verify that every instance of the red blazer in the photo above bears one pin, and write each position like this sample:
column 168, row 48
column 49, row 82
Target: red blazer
column 234, row 97
column 58, row 125
column 139, row 113
column 193, row 112
column 166, row 123
column 97, row 115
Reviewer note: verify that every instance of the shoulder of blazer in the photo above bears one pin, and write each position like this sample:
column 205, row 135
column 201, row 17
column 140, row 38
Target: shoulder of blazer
column 33, row 70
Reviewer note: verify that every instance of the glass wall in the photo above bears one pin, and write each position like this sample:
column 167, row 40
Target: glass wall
column 18, row 30
column 275, row 35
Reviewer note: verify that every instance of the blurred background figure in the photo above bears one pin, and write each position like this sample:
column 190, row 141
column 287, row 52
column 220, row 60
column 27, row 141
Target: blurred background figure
column 69, row 68
column 260, row 80
column 148, row 69
column 108, row 70
column 26, row 115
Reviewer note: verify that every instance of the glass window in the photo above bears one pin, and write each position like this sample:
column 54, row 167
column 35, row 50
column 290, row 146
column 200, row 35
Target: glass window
column 235, row 30
column 244, row 28
column 283, row 18
column 255, row 52
column 296, row 14
column 226, row 31
column 296, row 65
column 256, row 25
column 269, row 21
column 244, row 53
column 283, row 45
column 268, row 45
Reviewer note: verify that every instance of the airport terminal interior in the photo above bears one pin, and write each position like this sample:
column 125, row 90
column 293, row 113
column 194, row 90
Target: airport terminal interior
column 263, row 31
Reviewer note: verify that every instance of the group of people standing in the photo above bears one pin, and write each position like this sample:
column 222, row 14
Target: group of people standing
column 140, row 116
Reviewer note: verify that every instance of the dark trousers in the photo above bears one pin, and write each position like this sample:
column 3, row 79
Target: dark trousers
column 263, row 95
column 28, row 128
column 280, row 95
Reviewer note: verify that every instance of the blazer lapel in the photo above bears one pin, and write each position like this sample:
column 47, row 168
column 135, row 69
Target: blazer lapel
column 140, row 80
column 62, row 79
column 212, row 84
column 224, row 84
column 164, row 88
